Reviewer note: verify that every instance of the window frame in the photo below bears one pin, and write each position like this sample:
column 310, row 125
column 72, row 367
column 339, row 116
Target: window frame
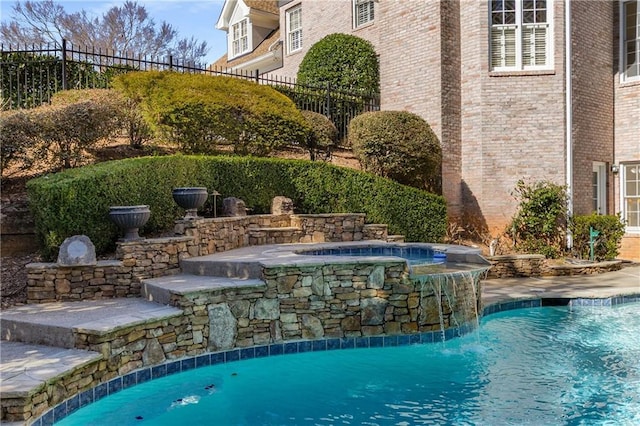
column 370, row 14
column 519, row 28
column 297, row 31
column 624, row 78
column 242, row 48
column 623, row 195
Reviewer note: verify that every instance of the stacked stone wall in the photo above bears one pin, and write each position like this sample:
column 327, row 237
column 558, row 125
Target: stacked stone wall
column 347, row 300
column 329, row 227
column 156, row 257
column 536, row 265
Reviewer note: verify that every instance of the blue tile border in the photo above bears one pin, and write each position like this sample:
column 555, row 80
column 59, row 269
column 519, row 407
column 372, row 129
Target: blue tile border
column 508, row 305
column 117, row 384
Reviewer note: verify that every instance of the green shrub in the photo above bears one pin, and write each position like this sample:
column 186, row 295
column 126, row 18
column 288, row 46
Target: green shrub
column 17, row 136
column 540, row 224
column 606, row 244
column 399, row 145
column 344, row 61
column 77, row 201
column 65, row 132
column 60, row 133
column 126, row 111
column 323, row 136
column 200, row 113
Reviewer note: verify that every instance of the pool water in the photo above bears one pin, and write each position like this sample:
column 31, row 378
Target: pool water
column 412, row 255
column 538, row 366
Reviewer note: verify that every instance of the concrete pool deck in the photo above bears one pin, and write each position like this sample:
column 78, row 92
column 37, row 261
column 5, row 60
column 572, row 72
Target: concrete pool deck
column 625, row 281
column 24, row 367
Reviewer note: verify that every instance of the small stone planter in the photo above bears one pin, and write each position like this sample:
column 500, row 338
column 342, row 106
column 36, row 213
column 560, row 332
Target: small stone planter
column 190, row 199
column 130, row 219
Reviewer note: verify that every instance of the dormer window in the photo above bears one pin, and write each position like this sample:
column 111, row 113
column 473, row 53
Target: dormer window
column 240, row 43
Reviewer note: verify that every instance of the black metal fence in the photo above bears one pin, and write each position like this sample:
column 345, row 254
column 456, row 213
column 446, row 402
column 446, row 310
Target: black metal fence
column 30, row 75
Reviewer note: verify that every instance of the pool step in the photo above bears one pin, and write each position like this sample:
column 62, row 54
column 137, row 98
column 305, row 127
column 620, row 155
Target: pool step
column 161, row 289
column 25, row 367
column 58, row 324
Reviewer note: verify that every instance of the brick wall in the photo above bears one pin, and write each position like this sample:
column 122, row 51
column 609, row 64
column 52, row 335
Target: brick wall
column 592, row 92
column 496, row 128
column 512, row 123
column 626, row 134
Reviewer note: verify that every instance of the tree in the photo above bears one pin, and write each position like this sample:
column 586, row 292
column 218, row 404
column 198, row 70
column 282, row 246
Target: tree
column 125, row 28
column 346, row 62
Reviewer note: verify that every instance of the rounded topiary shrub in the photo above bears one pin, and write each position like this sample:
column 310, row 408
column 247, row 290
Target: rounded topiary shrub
column 323, row 136
column 202, row 113
column 77, row 201
column 399, row 145
column 346, row 62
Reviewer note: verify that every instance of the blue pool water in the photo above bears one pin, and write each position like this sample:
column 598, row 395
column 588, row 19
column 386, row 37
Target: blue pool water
column 413, row 255
column 538, row 366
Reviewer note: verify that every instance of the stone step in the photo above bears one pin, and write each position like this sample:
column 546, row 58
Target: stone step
column 161, row 289
column 25, row 367
column 57, row 324
column 395, row 238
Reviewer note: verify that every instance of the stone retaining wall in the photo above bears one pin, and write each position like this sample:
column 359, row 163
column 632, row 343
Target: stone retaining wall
column 309, row 302
column 536, row 265
column 509, row 266
column 155, row 257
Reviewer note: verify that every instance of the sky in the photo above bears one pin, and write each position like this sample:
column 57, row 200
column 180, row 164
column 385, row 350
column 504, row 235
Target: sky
column 195, row 18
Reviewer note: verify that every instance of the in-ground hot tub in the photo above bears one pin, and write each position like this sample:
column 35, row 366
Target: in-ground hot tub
column 412, row 254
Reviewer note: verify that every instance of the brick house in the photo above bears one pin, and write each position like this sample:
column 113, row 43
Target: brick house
column 491, row 79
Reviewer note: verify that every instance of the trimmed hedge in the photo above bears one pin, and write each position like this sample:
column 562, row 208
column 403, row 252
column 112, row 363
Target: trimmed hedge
column 200, row 113
column 344, row 61
column 77, row 201
column 323, row 136
column 399, row 145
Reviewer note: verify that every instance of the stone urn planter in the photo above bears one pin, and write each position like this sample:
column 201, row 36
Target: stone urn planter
column 129, row 219
column 190, row 199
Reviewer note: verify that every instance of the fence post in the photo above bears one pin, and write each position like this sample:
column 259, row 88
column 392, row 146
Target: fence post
column 64, row 64
column 170, row 62
column 258, row 76
column 328, row 112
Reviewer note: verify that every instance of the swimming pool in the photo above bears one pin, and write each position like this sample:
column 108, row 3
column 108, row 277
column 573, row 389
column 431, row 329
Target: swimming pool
column 540, row 366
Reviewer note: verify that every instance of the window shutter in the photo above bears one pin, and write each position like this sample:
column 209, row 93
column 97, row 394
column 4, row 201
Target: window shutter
column 534, row 46
column 541, row 46
column 503, row 47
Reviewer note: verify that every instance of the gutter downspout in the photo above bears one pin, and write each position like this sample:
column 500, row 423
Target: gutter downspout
column 569, row 115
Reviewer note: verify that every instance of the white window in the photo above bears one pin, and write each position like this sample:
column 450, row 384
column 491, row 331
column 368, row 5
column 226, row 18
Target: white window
column 631, row 196
column 294, row 29
column 240, row 43
column 630, row 39
column 362, row 12
column 521, row 35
